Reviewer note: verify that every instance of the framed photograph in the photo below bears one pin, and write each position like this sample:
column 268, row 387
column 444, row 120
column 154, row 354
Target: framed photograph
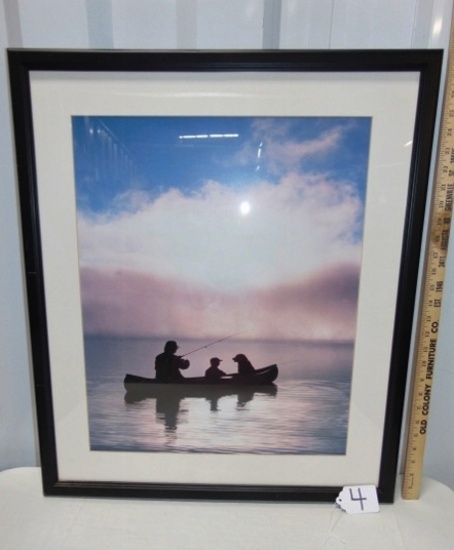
column 221, row 252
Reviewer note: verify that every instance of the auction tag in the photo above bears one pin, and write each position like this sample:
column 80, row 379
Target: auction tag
column 358, row 499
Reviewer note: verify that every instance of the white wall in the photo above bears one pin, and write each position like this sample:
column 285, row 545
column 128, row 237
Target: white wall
column 172, row 24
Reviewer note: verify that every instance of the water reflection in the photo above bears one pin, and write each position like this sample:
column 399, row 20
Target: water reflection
column 169, row 398
column 167, row 410
column 309, row 414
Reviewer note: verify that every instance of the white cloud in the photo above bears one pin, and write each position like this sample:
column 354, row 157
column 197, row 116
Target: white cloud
column 292, row 229
column 279, row 152
column 290, row 153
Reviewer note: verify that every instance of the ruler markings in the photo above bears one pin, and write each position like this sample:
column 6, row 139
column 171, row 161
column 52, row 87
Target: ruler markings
column 432, row 292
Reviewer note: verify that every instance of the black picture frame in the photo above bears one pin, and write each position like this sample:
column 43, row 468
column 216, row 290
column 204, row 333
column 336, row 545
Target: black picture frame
column 24, row 65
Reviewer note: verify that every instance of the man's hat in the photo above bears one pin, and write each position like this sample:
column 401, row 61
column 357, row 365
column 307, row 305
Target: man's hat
column 213, row 359
column 171, row 344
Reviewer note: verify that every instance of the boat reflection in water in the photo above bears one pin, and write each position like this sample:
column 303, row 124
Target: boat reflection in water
column 169, row 396
column 169, row 399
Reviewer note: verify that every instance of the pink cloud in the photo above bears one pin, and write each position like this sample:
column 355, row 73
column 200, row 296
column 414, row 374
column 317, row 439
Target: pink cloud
column 127, row 303
column 323, row 306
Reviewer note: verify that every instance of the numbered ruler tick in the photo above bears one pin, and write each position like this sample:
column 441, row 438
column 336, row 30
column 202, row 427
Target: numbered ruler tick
column 432, row 293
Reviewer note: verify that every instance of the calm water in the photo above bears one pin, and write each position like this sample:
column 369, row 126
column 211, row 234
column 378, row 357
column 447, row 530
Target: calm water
column 305, row 412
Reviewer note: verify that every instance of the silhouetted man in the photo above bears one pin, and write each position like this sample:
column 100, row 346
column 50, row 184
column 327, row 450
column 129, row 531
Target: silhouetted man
column 168, row 365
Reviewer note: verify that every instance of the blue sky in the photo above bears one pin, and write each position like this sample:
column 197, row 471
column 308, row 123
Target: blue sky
column 209, row 226
column 241, row 152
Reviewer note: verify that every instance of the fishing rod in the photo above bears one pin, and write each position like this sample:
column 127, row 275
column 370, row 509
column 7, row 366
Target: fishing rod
column 212, row 343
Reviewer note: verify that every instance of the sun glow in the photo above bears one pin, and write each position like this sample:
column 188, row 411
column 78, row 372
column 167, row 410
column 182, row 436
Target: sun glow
column 245, row 208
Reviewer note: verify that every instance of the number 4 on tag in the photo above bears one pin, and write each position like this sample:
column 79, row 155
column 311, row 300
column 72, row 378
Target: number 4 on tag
column 358, row 499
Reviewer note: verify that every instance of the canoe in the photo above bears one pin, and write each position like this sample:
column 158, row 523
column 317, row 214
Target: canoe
column 264, row 376
column 139, row 388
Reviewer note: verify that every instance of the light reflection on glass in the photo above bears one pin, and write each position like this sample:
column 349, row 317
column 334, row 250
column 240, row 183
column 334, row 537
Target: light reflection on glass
column 245, row 208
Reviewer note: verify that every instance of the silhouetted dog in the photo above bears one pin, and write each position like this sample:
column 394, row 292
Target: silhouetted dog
column 245, row 367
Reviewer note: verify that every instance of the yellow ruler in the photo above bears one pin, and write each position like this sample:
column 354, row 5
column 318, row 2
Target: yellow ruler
column 432, row 292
